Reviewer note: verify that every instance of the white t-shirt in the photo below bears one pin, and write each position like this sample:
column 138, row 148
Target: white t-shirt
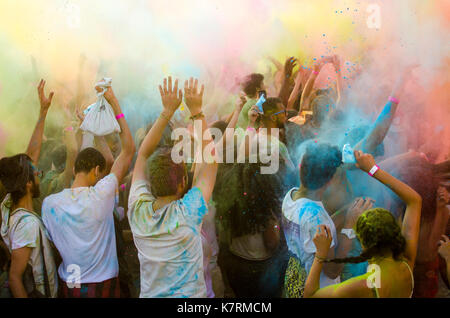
column 22, row 230
column 169, row 242
column 300, row 220
column 81, row 224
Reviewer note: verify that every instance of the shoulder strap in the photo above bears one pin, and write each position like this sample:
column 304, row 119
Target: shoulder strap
column 375, row 292
column 412, row 276
column 44, row 267
column 41, row 251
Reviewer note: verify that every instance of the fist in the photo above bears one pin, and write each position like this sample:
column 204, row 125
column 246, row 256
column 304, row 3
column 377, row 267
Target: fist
column 322, row 240
column 364, row 161
column 253, row 114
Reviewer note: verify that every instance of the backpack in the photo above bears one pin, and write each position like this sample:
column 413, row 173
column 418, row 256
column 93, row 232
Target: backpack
column 28, row 279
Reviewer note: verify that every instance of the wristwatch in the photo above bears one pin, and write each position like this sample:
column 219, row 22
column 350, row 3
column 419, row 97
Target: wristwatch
column 350, row 233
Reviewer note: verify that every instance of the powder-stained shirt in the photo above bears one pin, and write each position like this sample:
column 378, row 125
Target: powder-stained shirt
column 80, row 222
column 169, row 242
column 243, row 116
column 300, row 220
column 20, row 228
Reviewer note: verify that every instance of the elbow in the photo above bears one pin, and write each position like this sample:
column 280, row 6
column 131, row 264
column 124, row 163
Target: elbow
column 416, row 199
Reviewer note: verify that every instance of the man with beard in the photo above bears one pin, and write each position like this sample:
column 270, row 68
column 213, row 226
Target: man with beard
column 80, row 219
column 32, row 272
column 166, row 216
column 271, row 123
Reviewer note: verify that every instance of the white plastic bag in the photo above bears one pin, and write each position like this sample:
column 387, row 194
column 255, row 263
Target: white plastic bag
column 100, row 119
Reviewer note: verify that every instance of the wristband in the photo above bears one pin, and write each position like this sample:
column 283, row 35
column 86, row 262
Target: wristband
column 199, row 115
column 120, row 116
column 251, row 129
column 350, row 233
column 373, row 170
column 320, row 259
column 123, row 187
column 70, row 128
column 393, row 99
column 315, row 72
column 164, row 116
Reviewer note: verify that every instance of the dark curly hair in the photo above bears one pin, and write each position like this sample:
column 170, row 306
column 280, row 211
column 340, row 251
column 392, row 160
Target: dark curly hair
column 251, row 83
column 319, row 164
column 246, row 199
column 378, row 231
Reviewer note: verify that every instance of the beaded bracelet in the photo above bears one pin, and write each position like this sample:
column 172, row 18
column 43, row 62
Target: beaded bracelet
column 320, row 259
column 164, row 116
column 199, row 115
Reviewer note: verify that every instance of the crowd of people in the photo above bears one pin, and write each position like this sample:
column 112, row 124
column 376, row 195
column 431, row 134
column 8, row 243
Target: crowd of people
column 121, row 218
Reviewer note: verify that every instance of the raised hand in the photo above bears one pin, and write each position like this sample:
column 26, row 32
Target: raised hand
column 336, row 61
column 171, row 97
column 109, row 93
column 44, row 101
column 320, row 63
column 364, row 161
column 192, row 96
column 359, row 206
column 253, row 114
column 289, row 66
column 322, row 240
column 241, row 102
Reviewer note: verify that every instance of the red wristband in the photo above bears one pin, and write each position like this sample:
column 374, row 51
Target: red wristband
column 315, row 72
column 70, row 128
column 393, row 99
column 120, row 116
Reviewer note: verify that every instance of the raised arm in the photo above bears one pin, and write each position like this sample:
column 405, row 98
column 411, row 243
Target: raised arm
column 411, row 220
column 287, row 73
column 296, row 90
column 35, row 144
column 336, row 61
column 229, row 133
column 383, row 123
column 307, row 90
column 71, row 150
column 171, row 100
column 123, row 161
column 205, row 172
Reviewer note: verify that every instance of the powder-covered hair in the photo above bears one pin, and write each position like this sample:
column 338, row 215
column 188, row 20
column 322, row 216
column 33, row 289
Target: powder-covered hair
column 319, row 164
column 164, row 175
column 378, row 231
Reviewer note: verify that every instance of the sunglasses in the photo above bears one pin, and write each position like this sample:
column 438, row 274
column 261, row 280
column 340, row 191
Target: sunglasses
column 281, row 111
